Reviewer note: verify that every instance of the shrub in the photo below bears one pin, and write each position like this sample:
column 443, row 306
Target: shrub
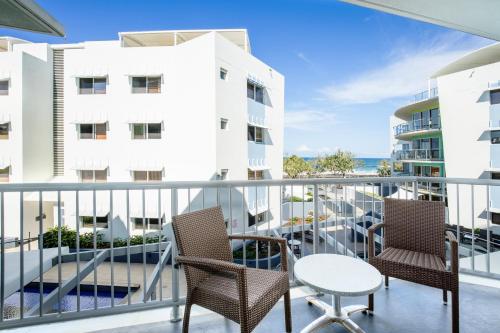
column 296, row 199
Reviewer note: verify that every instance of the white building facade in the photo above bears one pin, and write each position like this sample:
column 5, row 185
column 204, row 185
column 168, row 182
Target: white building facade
column 161, row 106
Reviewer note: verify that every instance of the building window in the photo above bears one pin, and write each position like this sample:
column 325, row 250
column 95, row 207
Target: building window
column 88, row 221
column 223, row 123
column 495, row 97
column 255, row 134
column 495, row 218
column 223, row 74
column 495, row 175
column 4, row 175
column 151, row 223
column 223, row 174
column 92, row 85
column 93, row 131
column 4, row 131
column 147, row 176
column 495, row 137
column 146, row 131
column 4, row 87
column 255, row 175
column 93, row 176
column 255, row 92
column 146, row 85
column 261, row 217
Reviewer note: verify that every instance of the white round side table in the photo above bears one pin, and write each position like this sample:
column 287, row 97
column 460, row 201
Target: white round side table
column 339, row 276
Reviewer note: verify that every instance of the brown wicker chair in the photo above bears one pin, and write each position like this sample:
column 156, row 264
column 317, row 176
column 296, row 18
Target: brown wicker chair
column 244, row 295
column 414, row 248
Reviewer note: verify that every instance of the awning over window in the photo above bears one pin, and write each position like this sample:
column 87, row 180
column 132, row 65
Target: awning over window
column 4, row 162
column 258, row 122
column 90, row 164
column 4, row 118
column 4, row 75
column 90, row 118
column 145, row 72
column 89, row 72
column 255, row 81
column 88, row 210
column 257, row 165
column 145, row 118
column 146, row 166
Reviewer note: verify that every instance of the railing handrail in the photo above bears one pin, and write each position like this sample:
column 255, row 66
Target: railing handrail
column 416, row 125
column 55, row 187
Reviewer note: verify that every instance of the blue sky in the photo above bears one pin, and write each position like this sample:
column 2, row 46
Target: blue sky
column 347, row 68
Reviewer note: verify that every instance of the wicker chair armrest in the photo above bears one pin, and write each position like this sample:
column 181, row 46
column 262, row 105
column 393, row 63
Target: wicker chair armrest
column 211, row 265
column 281, row 241
column 371, row 238
column 454, row 251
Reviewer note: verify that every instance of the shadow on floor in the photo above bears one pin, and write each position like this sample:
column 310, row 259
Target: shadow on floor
column 403, row 308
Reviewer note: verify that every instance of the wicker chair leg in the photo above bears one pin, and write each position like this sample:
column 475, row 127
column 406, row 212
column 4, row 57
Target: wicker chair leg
column 455, row 312
column 387, row 281
column 185, row 321
column 370, row 303
column 445, row 296
column 288, row 313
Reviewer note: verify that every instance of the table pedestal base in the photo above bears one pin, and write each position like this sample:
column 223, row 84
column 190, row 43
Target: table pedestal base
column 334, row 314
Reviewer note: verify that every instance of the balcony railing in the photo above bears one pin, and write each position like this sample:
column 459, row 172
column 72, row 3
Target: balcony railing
column 417, row 126
column 67, row 274
column 425, row 95
column 419, row 155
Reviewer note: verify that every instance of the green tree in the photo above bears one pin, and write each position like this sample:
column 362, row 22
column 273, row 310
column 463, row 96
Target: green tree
column 384, row 169
column 294, row 166
column 342, row 162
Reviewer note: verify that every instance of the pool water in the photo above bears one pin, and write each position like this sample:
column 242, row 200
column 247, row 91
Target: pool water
column 68, row 302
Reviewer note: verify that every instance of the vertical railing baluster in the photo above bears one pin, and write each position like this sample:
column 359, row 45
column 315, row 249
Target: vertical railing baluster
column 244, row 224
column 344, row 211
column 77, row 221
column 94, row 227
column 129, row 293
column 2, row 255
column 291, row 203
column 336, row 218
column 364, row 222
column 203, row 198
column 316, row 220
column 325, row 202
column 473, row 229
column 268, row 227
column 59, row 258
column 160, row 252
column 355, row 225
column 174, row 316
column 303, row 221
column 256, row 219
column 189, row 199
column 21, row 255
column 458, row 218
column 40, row 250
column 112, row 248
column 144, row 281
column 281, row 210
column 488, row 258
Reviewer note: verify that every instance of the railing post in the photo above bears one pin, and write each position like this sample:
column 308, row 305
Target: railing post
column 415, row 190
column 316, row 220
column 175, row 314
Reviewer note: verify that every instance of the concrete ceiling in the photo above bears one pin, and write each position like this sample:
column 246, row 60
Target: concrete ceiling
column 27, row 15
column 478, row 17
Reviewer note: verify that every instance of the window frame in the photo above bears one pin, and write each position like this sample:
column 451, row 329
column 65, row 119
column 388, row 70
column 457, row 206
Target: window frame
column 5, row 136
column 223, row 74
column 252, row 134
column 256, row 92
column 102, row 222
column 146, row 131
column 148, row 174
column 255, row 174
column 493, row 96
column 5, row 175
column 495, row 140
column 94, row 133
column 94, row 178
column 93, row 90
column 5, row 92
column 224, row 121
column 159, row 223
column 146, row 88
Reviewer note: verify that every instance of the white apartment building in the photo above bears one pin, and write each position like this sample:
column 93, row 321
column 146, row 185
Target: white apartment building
column 462, row 127
column 157, row 106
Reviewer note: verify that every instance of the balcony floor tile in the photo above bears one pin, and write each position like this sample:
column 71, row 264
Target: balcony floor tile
column 404, row 307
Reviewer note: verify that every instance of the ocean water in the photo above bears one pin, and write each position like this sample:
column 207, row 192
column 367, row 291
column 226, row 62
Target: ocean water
column 370, row 164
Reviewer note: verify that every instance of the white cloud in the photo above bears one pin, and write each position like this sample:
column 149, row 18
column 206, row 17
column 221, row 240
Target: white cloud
column 303, row 57
column 407, row 71
column 303, row 149
column 309, row 119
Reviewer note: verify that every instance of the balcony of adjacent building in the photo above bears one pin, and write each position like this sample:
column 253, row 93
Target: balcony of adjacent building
column 129, row 284
column 426, row 126
column 425, row 155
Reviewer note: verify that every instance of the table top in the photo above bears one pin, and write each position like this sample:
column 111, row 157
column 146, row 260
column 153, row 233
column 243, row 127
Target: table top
column 294, row 242
column 338, row 274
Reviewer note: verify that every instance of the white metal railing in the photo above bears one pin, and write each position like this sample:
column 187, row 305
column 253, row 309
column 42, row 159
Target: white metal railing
column 417, row 125
column 113, row 270
column 419, row 154
column 424, row 95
